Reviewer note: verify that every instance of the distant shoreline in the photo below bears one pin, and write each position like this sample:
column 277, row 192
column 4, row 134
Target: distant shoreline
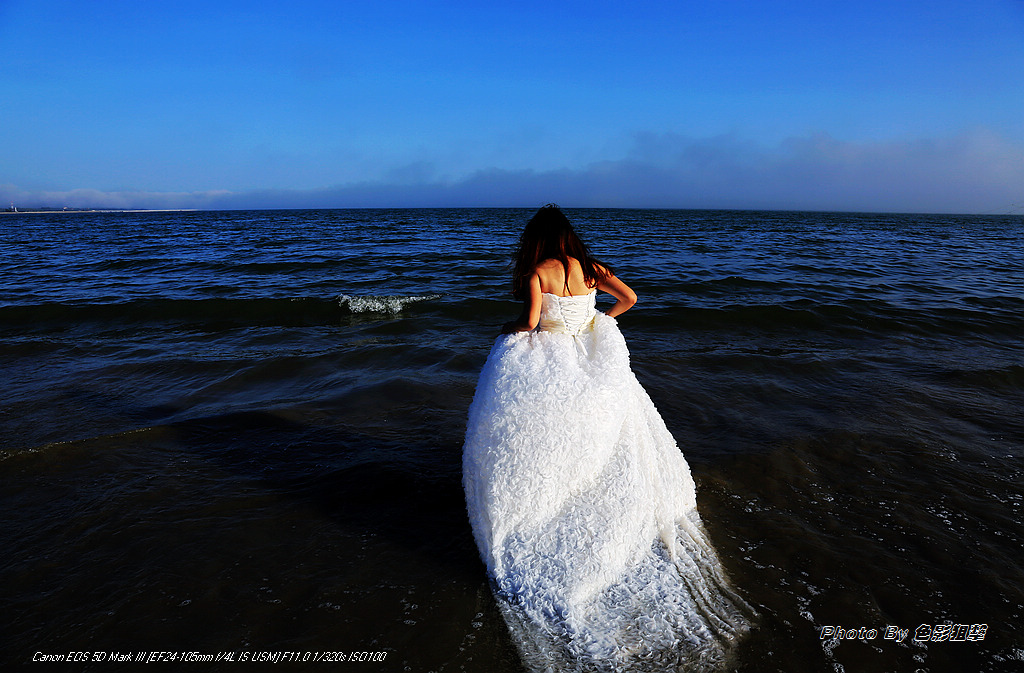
column 99, row 210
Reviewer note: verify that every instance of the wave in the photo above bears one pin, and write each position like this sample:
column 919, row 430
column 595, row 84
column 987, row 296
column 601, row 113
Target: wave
column 1008, row 379
column 213, row 313
column 212, row 267
column 381, row 303
column 996, row 318
column 877, row 318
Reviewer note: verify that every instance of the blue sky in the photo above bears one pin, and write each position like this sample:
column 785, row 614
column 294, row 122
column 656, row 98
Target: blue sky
column 877, row 106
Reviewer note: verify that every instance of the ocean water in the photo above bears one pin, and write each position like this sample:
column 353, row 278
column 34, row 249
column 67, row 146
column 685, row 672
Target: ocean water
column 239, row 433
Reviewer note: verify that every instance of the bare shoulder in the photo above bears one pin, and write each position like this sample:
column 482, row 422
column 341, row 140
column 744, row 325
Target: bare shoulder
column 552, row 272
column 550, row 263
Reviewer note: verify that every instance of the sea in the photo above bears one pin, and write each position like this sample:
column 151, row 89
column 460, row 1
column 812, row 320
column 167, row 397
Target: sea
column 233, row 438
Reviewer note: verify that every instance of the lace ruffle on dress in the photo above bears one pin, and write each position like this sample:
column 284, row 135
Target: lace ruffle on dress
column 584, row 509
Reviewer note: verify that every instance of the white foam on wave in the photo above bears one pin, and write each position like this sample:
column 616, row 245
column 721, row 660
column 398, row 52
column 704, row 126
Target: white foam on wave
column 380, row 303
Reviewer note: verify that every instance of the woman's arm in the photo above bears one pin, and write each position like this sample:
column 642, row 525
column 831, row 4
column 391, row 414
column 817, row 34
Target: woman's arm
column 530, row 316
column 622, row 292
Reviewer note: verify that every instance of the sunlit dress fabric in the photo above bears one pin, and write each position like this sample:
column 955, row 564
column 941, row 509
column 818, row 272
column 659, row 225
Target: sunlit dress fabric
column 584, row 509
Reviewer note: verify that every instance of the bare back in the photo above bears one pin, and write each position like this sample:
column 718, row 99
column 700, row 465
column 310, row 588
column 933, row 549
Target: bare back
column 552, row 278
column 549, row 277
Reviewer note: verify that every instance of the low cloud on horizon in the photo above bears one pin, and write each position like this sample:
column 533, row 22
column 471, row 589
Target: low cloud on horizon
column 974, row 172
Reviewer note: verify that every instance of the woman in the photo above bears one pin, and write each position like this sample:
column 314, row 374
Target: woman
column 582, row 506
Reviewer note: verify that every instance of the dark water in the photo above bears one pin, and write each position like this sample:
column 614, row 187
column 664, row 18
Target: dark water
column 241, row 431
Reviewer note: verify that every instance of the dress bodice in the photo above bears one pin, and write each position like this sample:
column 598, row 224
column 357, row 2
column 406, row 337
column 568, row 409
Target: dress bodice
column 567, row 315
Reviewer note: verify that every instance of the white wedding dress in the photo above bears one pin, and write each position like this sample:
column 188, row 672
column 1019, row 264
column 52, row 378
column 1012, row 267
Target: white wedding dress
column 584, row 509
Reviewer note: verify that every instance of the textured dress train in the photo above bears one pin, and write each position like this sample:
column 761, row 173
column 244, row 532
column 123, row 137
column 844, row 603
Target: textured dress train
column 584, row 509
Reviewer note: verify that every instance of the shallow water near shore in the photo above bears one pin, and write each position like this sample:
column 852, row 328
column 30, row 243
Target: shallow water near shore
column 241, row 431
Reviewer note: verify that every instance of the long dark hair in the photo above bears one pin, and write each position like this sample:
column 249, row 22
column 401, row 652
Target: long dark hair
column 549, row 235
